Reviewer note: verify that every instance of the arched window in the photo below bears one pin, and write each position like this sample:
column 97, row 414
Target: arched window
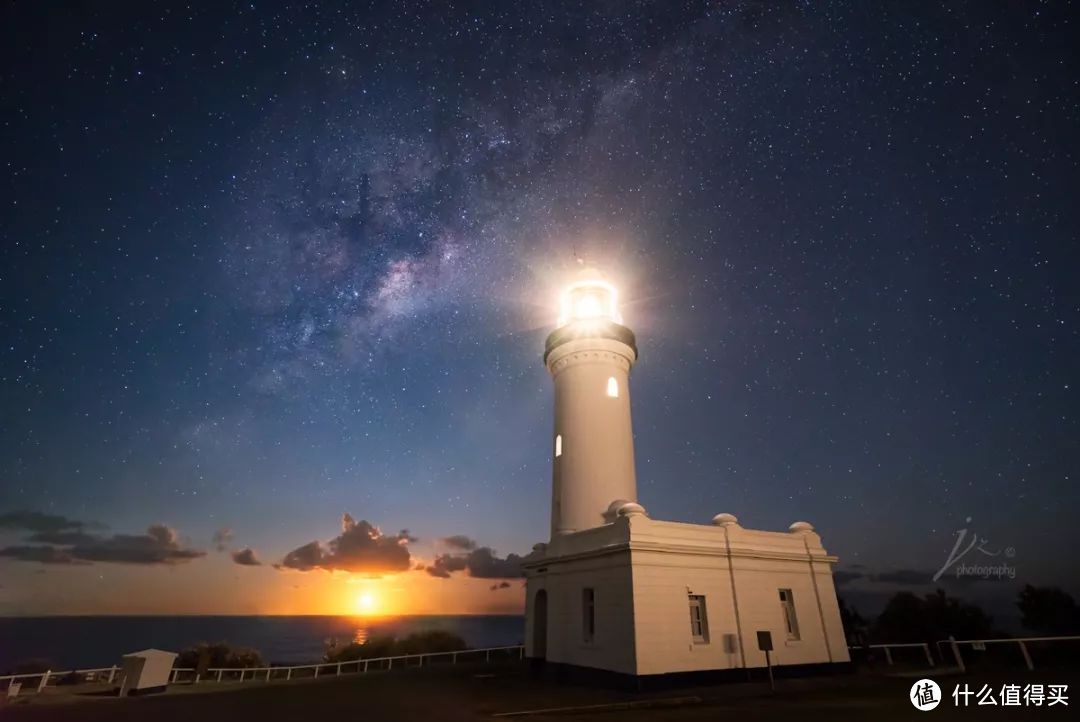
column 558, row 445
column 613, row 388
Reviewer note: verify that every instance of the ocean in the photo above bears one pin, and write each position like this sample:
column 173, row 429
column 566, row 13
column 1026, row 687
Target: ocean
column 84, row 642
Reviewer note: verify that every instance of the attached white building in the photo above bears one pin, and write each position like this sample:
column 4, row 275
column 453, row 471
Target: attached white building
column 619, row 593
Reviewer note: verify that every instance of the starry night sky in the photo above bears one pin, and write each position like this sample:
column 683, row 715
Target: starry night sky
column 264, row 265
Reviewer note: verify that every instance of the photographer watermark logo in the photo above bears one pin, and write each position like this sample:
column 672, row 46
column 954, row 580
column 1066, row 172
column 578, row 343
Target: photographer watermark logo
column 967, row 543
column 925, row 695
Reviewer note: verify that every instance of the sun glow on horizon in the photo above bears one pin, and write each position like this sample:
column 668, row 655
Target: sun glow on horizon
column 367, row 604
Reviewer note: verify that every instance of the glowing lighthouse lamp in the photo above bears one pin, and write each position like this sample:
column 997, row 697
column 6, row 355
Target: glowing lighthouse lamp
column 590, row 301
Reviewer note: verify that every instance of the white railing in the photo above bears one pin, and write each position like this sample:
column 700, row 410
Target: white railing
column 356, row 666
column 888, row 650
column 264, row 674
column 980, row 644
column 99, row 674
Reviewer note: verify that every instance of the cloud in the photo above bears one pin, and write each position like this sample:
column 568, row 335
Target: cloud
column 61, row 538
column 159, row 545
column 446, row 563
column 843, row 576
column 40, row 554
column 65, row 543
column 484, row 564
column 480, row 562
column 41, row 523
column 361, row 547
column 904, row 576
column 459, row 541
column 246, row 557
column 500, row 585
column 221, row 538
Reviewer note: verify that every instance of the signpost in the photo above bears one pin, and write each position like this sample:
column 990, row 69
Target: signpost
column 764, row 643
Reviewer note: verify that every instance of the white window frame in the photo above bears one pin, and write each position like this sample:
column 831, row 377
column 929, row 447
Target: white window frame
column 613, row 387
column 699, row 619
column 558, row 445
column 791, row 619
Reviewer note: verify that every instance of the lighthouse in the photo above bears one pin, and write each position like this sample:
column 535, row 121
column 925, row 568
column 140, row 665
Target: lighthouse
column 618, row 595
column 589, row 356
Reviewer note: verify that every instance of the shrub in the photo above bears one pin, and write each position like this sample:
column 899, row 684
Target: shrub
column 71, row 678
column 431, row 642
column 219, row 654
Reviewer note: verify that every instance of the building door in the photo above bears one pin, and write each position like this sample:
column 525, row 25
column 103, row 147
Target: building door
column 539, row 647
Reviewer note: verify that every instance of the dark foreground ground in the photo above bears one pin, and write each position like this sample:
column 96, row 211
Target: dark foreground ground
column 474, row 693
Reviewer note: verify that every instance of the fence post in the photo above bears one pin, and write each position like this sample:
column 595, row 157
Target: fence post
column 487, row 656
column 339, row 668
column 421, row 661
column 44, row 681
column 365, row 666
column 219, row 674
column 1027, row 657
column 288, row 674
column 956, row 653
column 112, row 671
column 521, row 653
column 268, row 674
column 888, row 654
column 929, row 658
column 453, row 659
column 316, row 671
column 242, row 672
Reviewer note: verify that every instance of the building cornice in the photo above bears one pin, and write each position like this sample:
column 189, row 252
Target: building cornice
column 681, row 549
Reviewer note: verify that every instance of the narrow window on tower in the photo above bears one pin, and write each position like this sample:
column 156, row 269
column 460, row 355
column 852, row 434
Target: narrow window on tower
column 558, row 445
column 699, row 620
column 588, row 614
column 613, row 388
column 791, row 622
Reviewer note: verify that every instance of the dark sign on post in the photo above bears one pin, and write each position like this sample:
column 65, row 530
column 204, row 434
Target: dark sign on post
column 764, row 643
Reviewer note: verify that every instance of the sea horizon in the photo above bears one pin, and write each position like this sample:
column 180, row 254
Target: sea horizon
column 88, row 641
column 256, row 614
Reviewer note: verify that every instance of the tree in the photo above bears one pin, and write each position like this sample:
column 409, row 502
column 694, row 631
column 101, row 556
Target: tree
column 1048, row 610
column 909, row 618
column 854, row 624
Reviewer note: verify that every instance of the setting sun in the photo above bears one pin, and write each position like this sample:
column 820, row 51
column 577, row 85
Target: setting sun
column 367, row 603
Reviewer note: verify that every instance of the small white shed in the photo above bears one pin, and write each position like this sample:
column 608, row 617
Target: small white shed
column 146, row 672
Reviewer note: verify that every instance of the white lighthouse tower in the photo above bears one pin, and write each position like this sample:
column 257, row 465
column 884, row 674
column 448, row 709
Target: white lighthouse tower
column 589, row 357
column 631, row 598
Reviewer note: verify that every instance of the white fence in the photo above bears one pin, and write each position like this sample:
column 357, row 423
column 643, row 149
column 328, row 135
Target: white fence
column 889, row 647
column 980, row 644
column 44, row 679
column 179, row 675
column 358, row 666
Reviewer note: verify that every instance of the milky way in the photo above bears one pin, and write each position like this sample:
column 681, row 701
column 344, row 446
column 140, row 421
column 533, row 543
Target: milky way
column 266, row 265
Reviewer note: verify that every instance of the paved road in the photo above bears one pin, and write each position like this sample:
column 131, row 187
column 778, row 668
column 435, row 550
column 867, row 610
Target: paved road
column 465, row 694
